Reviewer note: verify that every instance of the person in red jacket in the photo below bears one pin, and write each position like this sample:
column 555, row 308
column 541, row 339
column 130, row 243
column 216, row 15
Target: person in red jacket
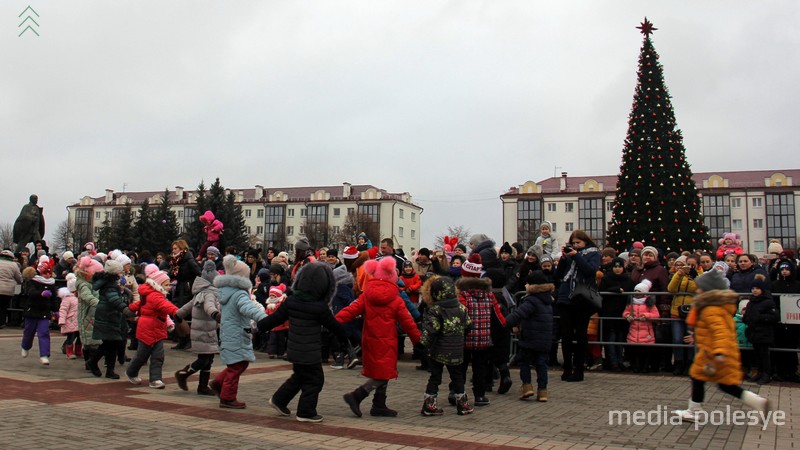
column 151, row 330
column 381, row 306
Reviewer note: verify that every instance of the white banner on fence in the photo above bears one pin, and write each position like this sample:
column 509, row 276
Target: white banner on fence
column 790, row 308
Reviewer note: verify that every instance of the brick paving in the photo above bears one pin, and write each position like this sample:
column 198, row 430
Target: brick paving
column 62, row 406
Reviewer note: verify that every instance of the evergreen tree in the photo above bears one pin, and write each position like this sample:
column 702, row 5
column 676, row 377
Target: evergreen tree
column 145, row 229
column 166, row 225
column 235, row 232
column 657, row 201
column 104, row 239
column 122, row 230
column 194, row 234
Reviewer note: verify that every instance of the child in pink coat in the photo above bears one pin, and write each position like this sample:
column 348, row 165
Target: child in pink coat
column 729, row 244
column 213, row 230
column 640, row 313
column 68, row 318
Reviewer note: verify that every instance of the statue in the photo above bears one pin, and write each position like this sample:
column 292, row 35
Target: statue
column 29, row 226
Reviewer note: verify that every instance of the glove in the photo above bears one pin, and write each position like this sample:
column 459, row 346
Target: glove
column 128, row 313
column 46, row 293
column 216, row 316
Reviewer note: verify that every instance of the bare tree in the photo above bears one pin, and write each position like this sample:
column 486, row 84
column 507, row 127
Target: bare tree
column 255, row 241
column 62, row 241
column 355, row 223
column 462, row 233
column 6, row 235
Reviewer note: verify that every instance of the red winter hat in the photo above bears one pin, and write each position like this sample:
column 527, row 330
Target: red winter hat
column 278, row 290
column 350, row 252
column 473, row 267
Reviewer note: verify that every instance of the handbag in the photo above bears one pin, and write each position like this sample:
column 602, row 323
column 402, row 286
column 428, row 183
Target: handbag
column 587, row 296
column 683, row 311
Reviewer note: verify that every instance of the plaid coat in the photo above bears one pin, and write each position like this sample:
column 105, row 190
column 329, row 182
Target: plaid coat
column 476, row 295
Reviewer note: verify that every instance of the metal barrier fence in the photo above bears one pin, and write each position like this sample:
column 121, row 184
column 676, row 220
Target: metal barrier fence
column 518, row 296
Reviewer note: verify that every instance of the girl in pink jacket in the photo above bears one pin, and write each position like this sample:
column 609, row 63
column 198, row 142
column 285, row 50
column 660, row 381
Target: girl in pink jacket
column 68, row 318
column 641, row 313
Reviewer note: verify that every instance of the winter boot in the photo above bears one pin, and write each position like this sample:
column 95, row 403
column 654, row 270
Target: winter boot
column 505, row 379
column 202, row 387
column 690, row 414
column 756, row 402
column 379, row 408
column 71, row 351
column 353, row 399
column 451, row 398
column 79, row 350
column 232, row 404
column 110, row 370
column 92, row 364
column 338, row 361
column 526, row 391
column 576, row 376
column 541, row 395
column 462, row 405
column 182, row 375
column 430, row 407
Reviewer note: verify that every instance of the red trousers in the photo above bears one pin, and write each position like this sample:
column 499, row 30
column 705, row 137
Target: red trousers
column 229, row 380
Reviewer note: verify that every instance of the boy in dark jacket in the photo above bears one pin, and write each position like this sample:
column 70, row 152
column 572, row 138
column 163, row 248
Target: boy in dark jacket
column 615, row 280
column 761, row 317
column 445, row 323
column 786, row 334
column 306, row 309
column 534, row 319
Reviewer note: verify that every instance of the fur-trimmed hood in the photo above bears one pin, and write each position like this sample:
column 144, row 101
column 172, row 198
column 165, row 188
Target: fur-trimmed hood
column 539, row 288
column 233, row 281
column 716, row 297
column 465, row 284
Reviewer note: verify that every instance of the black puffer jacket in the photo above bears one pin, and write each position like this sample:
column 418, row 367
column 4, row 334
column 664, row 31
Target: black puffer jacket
column 37, row 306
column 305, row 315
column 534, row 316
column 761, row 316
column 488, row 254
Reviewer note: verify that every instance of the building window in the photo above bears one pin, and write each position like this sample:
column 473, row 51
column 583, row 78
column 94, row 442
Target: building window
column 276, row 222
column 316, row 228
column 717, row 215
column 529, row 217
column 96, row 230
column 737, row 224
column 248, row 230
column 591, row 218
column 413, row 234
column 758, row 224
column 554, row 227
column 413, row 217
column 609, row 206
column 758, row 247
column 781, row 222
column 401, row 213
column 303, row 212
column 351, row 211
column 337, row 212
column 290, row 230
column 247, row 212
column 551, row 207
column 400, row 232
column 302, row 230
column 260, row 213
column 337, row 229
column 736, row 202
column 189, row 216
column 290, row 213
column 259, row 230
column 757, row 203
column 97, row 215
column 569, row 226
column 180, row 214
column 569, row 207
column 83, row 226
column 369, row 220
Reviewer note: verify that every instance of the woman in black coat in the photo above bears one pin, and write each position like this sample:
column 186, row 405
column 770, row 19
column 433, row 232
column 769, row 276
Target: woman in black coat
column 183, row 269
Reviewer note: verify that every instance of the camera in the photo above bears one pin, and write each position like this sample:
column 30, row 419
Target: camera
column 568, row 248
column 693, row 272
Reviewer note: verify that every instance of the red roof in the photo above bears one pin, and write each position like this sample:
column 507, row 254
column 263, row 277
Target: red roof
column 744, row 179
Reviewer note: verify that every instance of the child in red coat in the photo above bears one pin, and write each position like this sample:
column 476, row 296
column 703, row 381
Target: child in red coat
column 640, row 313
column 151, row 330
column 381, row 306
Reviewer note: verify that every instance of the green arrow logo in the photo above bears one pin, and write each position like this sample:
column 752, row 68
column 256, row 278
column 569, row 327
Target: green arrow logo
column 31, row 22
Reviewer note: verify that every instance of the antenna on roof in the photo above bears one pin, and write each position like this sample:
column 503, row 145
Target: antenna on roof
column 124, row 186
column 555, row 170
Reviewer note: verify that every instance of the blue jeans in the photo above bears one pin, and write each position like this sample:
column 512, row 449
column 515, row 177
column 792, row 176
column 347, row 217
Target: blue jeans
column 527, row 358
column 678, row 332
column 614, row 331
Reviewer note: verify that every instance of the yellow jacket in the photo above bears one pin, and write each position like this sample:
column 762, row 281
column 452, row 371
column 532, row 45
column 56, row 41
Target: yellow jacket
column 678, row 284
column 715, row 334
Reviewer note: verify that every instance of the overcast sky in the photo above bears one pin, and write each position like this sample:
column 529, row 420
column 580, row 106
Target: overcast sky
column 452, row 101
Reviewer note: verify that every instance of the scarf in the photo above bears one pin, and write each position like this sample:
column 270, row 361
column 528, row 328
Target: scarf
column 571, row 271
column 40, row 279
column 175, row 262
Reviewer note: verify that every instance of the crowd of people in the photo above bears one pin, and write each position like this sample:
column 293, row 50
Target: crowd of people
column 462, row 305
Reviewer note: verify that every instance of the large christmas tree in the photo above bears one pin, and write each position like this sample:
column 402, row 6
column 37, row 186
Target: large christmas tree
column 657, row 201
